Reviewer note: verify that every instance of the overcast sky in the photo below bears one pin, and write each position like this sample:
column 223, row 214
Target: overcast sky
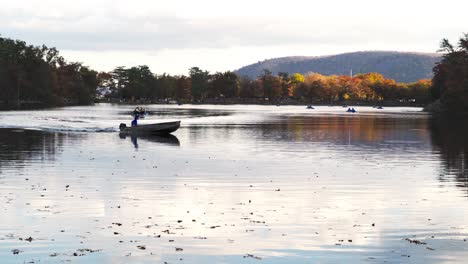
column 174, row 35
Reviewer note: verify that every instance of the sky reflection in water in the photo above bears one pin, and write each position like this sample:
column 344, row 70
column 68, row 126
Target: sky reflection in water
column 282, row 184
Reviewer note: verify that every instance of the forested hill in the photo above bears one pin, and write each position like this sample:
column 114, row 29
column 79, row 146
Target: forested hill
column 400, row 66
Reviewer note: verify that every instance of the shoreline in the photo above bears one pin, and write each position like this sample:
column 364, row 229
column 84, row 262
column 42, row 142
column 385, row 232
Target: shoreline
column 260, row 101
column 215, row 102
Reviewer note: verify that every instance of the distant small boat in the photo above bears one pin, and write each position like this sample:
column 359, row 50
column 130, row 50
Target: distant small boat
column 351, row 110
column 310, row 107
column 158, row 128
column 379, row 107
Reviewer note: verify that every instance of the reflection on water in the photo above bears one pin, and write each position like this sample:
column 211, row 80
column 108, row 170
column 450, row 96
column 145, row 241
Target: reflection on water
column 161, row 139
column 450, row 139
column 20, row 146
column 237, row 185
column 368, row 130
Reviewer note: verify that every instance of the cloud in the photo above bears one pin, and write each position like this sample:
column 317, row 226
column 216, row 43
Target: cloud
column 116, row 32
column 148, row 33
column 149, row 26
column 206, row 29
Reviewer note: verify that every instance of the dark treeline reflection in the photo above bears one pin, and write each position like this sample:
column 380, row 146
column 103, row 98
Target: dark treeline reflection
column 450, row 139
column 17, row 146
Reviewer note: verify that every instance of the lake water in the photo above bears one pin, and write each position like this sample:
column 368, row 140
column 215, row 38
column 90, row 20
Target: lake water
column 235, row 184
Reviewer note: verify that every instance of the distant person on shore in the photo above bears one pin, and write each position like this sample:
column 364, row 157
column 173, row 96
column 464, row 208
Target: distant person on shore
column 135, row 121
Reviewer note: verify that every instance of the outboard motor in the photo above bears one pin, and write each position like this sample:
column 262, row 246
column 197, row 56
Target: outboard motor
column 122, row 126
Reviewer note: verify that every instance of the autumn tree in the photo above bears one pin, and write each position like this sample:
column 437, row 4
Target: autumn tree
column 271, row 84
column 420, row 91
column 286, row 84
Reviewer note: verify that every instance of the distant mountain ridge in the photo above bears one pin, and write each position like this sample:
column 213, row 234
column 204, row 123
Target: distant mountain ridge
column 400, row 66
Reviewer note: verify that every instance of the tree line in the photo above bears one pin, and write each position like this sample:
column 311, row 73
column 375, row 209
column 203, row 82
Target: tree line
column 450, row 82
column 140, row 84
column 39, row 74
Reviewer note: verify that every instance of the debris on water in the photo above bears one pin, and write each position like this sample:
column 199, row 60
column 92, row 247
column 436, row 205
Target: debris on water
column 179, row 249
column 15, row 251
column 414, row 241
column 252, row 256
column 88, row 250
column 117, row 224
column 141, row 247
column 430, row 248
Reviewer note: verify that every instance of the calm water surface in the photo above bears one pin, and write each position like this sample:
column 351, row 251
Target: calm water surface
column 235, row 184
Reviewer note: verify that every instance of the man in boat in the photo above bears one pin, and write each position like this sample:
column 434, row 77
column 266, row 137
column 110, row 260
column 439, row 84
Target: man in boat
column 135, row 120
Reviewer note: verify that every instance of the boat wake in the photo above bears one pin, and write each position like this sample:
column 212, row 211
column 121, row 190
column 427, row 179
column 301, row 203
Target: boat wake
column 60, row 121
column 64, row 129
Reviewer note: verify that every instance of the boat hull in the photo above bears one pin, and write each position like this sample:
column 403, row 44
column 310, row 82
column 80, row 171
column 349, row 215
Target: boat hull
column 159, row 128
